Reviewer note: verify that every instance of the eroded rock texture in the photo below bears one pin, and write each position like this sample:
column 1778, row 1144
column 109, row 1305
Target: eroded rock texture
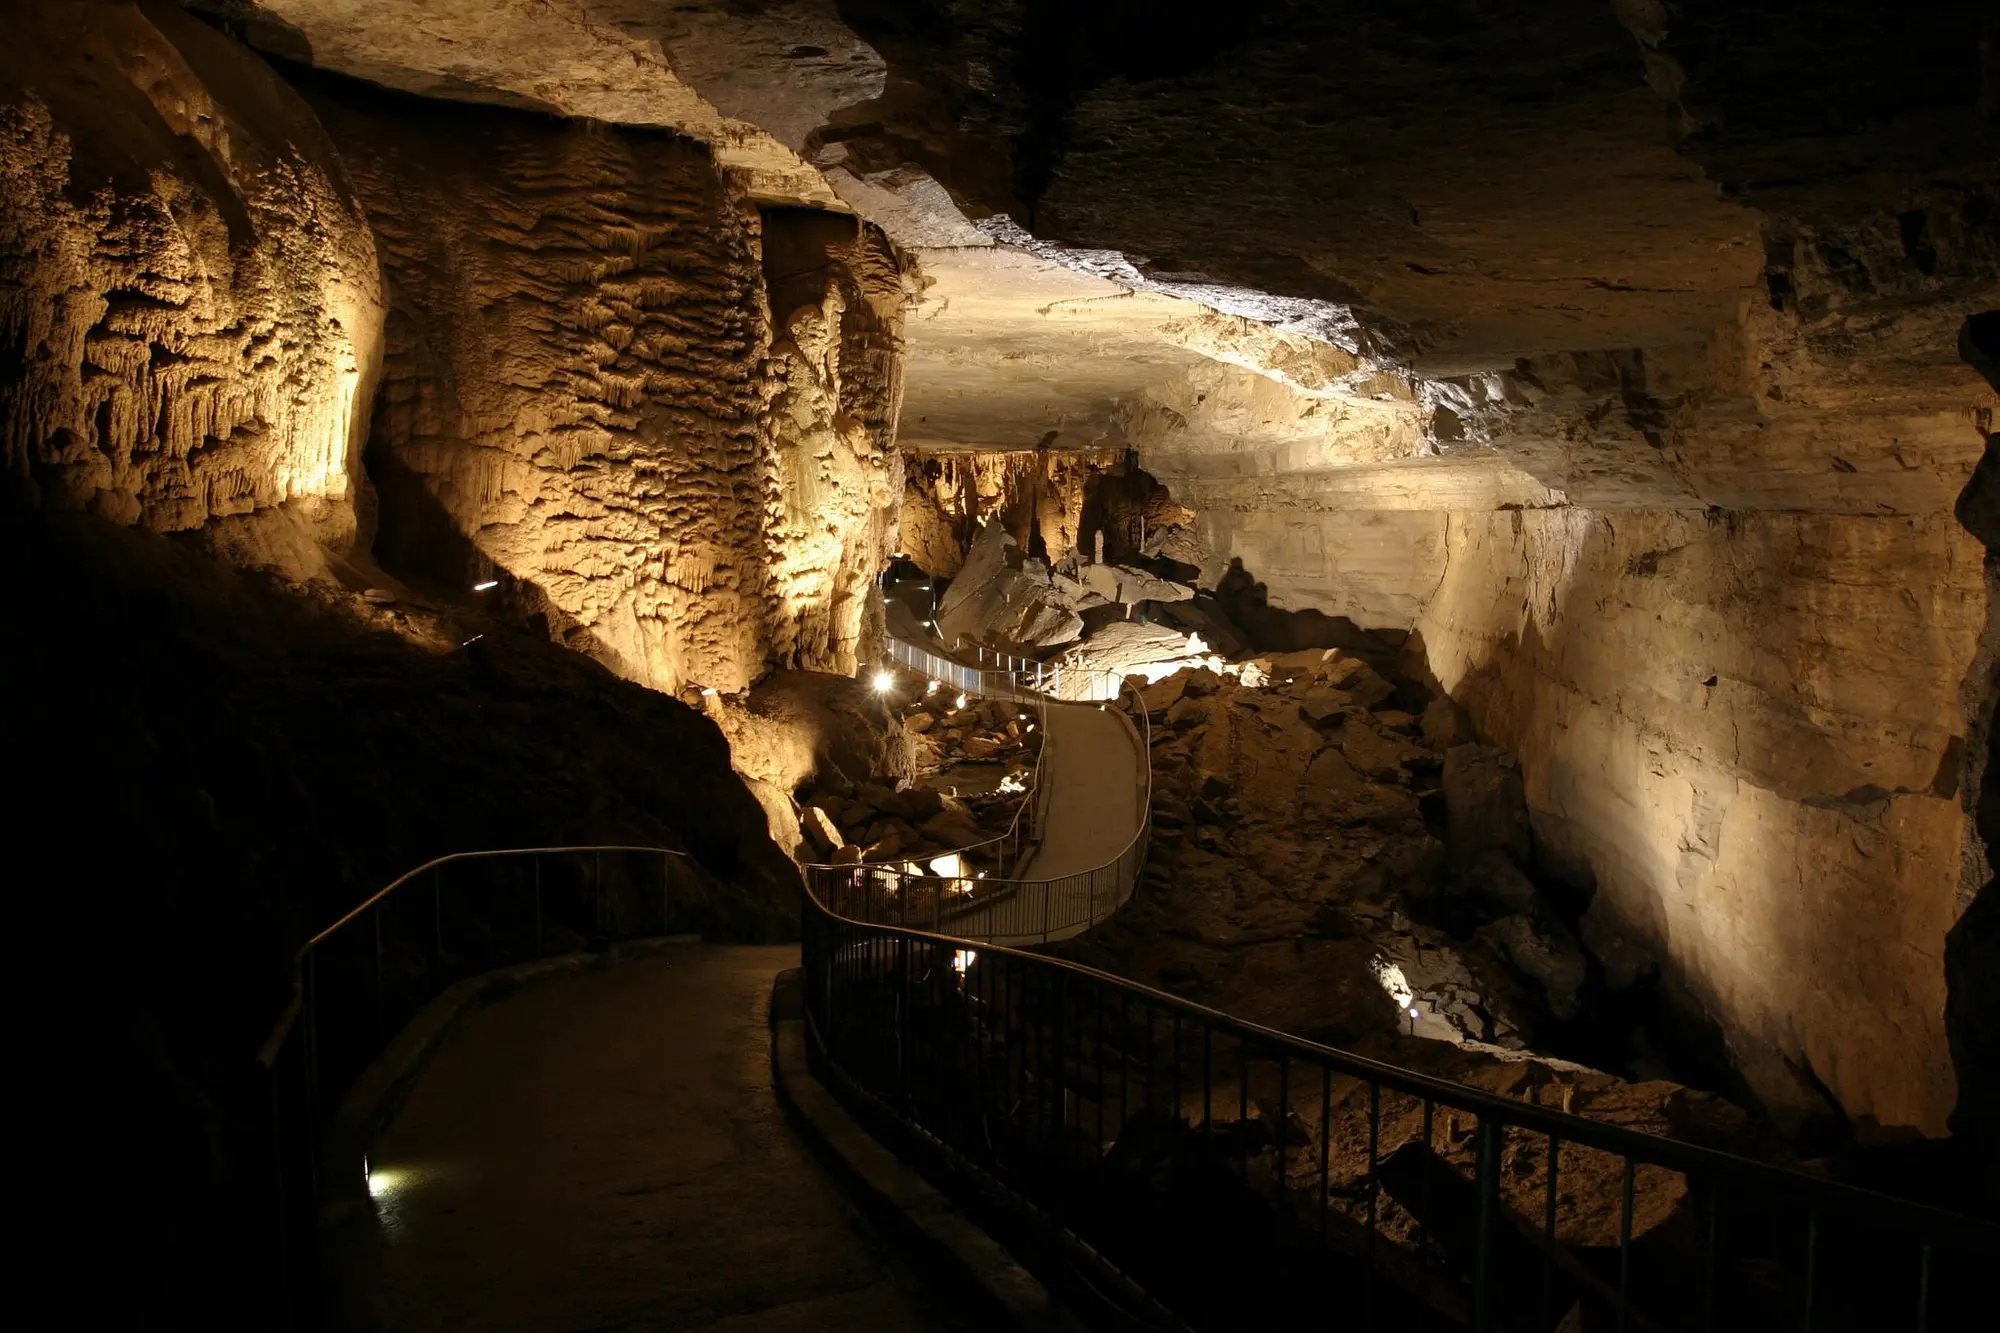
column 586, row 391
column 190, row 307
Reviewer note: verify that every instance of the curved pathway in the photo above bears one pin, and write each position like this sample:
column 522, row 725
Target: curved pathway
column 1093, row 801
column 606, row 1152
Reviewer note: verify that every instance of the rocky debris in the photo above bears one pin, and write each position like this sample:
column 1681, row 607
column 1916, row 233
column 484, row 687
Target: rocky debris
column 1293, row 878
column 938, row 807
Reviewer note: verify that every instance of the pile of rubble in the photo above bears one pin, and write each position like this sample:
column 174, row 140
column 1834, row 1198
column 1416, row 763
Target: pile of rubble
column 976, row 768
column 1334, row 853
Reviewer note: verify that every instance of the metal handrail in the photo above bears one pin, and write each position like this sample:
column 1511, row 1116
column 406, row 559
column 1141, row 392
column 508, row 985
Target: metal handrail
column 1008, row 681
column 986, row 1052
column 267, row 1054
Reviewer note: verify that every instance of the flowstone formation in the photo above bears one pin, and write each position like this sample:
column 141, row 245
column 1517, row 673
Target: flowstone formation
column 190, row 307
column 661, row 415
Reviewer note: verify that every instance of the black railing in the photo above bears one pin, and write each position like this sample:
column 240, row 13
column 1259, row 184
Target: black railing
column 360, row 981
column 1219, row 1175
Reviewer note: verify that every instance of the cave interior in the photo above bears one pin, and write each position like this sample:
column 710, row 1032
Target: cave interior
column 442, row 424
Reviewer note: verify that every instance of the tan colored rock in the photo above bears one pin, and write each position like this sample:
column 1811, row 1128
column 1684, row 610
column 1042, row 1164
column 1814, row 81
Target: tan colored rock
column 1323, row 704
column 821, row 828
column 1359, row 680
column 919, row 723
column 190, row 291
column 1446, row 725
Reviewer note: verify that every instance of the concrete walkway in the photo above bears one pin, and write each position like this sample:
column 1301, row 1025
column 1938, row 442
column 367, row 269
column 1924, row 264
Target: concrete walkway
column 1093, row 809
column 605, row 1153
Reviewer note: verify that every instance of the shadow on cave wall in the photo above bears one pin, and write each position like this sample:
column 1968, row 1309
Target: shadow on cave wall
column 1972, row 948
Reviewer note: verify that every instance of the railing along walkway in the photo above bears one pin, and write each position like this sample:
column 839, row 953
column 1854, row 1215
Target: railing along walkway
column 1091, row 816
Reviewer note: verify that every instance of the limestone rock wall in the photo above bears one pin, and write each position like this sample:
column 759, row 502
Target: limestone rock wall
column 190, row 304
column 585, row 393
column 1745, row 732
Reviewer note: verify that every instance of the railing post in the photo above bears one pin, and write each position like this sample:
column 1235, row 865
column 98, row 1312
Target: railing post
column 1487, row 1168
column 666, row 880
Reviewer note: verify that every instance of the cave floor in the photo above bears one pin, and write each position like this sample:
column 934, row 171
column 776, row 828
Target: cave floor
column 607, row 1152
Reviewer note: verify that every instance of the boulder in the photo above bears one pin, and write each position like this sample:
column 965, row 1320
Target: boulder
column 1187, row 713
column 919, row 723
column 1379, row 756
column 1485, row 803
column 983, row 747
column 878, row 797
column 1161, row 694
column 1446, row 724
column 921, row 803
column 1360, row 680
column 1200, row 681
column 1323, row 704
column 819, row 827
column 1544, row 949
column 1170, row 813
column 954, row 829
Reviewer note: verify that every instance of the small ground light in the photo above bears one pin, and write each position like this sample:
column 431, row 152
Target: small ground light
column 482, row 587
column 884, row 682
column 959, row 702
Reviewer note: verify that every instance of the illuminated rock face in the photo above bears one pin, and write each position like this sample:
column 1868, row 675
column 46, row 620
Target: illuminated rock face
column 585, row 389
column 188, row 291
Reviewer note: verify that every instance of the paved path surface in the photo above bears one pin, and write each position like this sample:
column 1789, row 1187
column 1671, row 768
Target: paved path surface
column 605, row 1153
column 1093, row 772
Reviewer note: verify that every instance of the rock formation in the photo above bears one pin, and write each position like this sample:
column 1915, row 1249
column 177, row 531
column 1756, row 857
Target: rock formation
column 592, row 390
column 190, row 308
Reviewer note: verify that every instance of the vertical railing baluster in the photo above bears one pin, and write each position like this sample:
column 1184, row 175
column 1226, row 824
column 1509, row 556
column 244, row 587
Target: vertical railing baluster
column 1812, row 1267
column 1549, row 1232
column 1488, row 1176
column 1625, row 1249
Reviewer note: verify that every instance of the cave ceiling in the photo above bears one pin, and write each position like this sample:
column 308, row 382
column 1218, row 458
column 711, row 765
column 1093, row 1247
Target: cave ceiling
column 1533, row 251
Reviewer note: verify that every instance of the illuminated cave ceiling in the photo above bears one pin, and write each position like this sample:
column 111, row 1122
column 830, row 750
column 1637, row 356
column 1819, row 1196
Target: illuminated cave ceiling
column 1444, row 189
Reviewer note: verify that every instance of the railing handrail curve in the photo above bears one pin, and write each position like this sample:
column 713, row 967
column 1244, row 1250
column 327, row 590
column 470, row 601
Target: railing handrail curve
column 1653, row 1149
column 268, row 1053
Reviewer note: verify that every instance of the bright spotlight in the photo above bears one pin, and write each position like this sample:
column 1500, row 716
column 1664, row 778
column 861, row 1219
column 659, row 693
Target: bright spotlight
column 963, row 959
column 482, row 587
column 930, row 689
column 884, row 682
column 958, row 702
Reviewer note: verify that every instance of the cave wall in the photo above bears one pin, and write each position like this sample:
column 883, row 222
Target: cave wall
column 1034, row 493
column 586, row 395
column 190, row 304
column 1742, row 730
